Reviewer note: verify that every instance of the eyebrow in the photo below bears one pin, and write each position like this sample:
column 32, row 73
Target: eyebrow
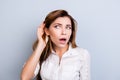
column 61, row 24
column 57, row 24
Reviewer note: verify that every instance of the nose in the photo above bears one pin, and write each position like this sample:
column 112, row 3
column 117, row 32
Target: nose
column 63, row 31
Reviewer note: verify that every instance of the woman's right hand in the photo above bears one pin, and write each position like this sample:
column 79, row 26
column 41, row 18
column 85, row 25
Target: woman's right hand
column 30, row 65
column 40, row 33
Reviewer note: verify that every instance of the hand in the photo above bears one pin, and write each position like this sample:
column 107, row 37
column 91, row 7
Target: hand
column 41, row 33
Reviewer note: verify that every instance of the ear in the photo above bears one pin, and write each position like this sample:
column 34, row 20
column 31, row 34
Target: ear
column 46, row 31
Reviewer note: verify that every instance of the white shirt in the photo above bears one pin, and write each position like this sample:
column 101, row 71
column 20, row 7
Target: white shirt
column 74, row 65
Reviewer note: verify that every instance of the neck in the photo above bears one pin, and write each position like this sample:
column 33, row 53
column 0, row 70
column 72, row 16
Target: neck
column 60, row 51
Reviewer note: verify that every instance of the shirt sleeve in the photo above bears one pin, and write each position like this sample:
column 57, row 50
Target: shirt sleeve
column 36, row 70
column 85, row 68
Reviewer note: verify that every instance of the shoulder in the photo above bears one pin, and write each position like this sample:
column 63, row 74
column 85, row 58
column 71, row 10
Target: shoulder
column 82, row 52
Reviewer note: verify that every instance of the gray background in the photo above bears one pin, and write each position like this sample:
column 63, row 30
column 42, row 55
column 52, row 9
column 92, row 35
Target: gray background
column 98, row 31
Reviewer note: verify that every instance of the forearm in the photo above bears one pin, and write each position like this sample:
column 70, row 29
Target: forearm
column 30, row 65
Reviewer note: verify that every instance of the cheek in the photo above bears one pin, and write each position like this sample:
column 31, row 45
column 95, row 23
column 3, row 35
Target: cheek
column 69, row 34
column 54, row 35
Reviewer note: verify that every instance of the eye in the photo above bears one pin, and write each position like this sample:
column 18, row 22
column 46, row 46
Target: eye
column 57, row 26
column 68, row 27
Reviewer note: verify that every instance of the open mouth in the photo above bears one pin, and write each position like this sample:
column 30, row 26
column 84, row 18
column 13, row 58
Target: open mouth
column 62, row 40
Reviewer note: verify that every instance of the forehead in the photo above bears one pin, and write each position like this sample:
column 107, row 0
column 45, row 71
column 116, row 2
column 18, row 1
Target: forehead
column 62, row 20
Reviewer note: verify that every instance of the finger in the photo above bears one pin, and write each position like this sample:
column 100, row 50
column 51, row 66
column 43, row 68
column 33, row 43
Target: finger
column 40, row 31
column 42, row 25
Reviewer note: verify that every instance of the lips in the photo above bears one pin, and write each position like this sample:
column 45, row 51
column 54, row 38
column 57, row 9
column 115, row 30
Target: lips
column 62, row 40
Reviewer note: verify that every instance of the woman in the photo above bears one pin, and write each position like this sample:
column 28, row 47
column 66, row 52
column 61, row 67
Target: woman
column 55, row 53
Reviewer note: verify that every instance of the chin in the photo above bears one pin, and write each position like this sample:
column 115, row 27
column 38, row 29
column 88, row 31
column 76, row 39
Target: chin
column 62, row 45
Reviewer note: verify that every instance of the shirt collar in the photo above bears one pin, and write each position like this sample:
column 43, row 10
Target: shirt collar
column 69, row 49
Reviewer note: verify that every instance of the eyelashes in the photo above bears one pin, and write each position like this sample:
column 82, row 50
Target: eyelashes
column 57, row 26
column 68, row 27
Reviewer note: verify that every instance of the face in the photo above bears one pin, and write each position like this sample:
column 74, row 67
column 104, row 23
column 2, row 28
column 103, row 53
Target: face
column 60, row 31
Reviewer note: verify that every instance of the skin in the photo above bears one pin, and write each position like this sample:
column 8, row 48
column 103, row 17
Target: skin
column 60, row 29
